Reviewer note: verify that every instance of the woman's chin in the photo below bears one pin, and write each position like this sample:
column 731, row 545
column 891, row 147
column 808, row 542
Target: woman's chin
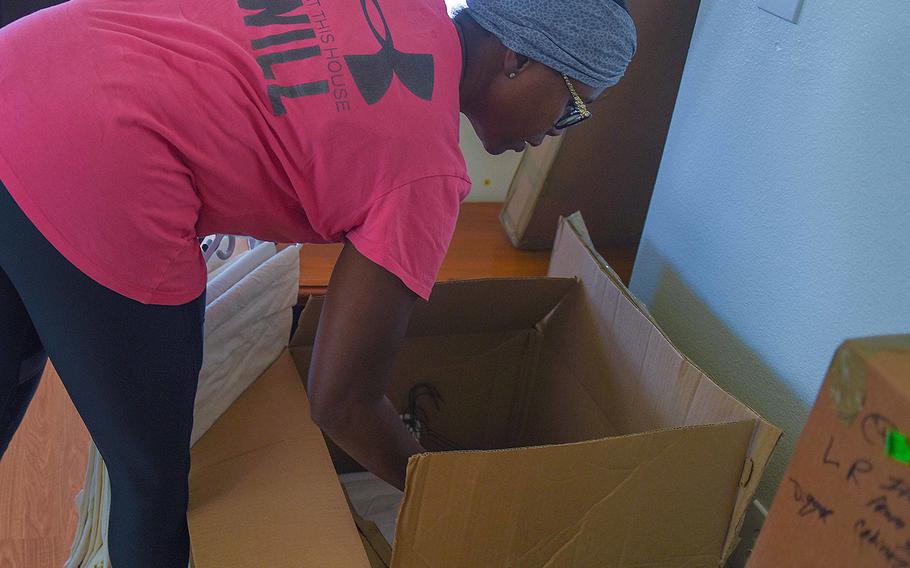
column 492, row 148
column 503, row 147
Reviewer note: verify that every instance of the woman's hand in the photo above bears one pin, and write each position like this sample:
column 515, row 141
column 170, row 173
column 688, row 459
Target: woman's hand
column 363, row 322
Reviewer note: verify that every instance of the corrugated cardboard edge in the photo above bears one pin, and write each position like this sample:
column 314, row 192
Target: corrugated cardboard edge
column 765, row 436
column 849, row 368
column 413, row 478
column 287, row 469
column 420, row 468
column 527, row 385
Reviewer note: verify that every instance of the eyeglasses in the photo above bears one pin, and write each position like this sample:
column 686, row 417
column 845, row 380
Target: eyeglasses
column 579, row 110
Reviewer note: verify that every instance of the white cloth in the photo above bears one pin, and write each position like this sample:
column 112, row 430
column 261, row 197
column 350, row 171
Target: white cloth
column 374, row 500
column 234, row 272
column 246, row 328
column 89, row 549
column 247, row 325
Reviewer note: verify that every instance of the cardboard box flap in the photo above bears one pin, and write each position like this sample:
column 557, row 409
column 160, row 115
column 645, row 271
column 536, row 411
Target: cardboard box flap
column 643, row 356
column 263, row 489
column 764, row 439
column 610, row 502
column 566, row 262
column 466, row 306
column 844, row 500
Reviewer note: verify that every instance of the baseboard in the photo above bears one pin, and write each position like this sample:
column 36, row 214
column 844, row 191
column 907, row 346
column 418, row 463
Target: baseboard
column 755, row 518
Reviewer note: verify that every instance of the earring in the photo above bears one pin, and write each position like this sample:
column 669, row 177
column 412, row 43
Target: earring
column 511, row 75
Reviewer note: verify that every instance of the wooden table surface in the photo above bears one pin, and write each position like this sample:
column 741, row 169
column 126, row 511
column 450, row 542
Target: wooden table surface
column 44, row 466
column 479, row 249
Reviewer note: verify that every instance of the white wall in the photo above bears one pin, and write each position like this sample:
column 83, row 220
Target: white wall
column 492, row 175
column 780, row 222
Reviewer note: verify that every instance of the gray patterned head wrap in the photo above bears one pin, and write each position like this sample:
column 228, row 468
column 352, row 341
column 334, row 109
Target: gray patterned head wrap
column 588, row 40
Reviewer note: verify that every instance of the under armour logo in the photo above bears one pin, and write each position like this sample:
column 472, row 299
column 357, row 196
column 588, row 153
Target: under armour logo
column 373, row 73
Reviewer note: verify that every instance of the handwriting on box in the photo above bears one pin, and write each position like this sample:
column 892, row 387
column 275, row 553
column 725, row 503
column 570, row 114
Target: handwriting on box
column 881, row 523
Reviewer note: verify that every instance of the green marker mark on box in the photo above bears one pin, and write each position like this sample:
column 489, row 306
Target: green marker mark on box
column 896, row 447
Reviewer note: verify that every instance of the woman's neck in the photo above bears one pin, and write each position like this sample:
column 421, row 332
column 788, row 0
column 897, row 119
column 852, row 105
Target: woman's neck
column 475, row 57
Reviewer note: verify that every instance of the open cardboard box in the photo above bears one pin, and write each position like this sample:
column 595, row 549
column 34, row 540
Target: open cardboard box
column 588, row 440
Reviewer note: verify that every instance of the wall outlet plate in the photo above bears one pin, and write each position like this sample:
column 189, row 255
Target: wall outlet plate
column 786, row 9
column 755, row 518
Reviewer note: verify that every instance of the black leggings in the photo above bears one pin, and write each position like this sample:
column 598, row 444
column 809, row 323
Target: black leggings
column 131, row 371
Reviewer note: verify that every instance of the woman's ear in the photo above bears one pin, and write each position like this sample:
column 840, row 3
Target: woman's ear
column 514, row 63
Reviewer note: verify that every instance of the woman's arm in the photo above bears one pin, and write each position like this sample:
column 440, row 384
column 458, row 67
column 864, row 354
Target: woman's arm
column 363, row 322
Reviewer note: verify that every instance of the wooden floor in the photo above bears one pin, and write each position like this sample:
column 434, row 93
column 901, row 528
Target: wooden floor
column 40, row 475
column 44, row 467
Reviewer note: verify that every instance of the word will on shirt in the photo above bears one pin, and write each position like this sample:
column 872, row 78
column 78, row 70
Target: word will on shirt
column 372, row 73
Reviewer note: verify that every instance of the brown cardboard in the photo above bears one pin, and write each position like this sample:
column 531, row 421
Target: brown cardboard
column 673, row 390
column 606, row 502
column 571, row 433
column 263, row 491
column 843, row 502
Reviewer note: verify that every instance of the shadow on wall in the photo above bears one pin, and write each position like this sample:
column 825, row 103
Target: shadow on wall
column 705, row 339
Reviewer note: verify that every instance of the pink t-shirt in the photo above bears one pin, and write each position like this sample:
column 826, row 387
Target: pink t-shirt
column 129, row 128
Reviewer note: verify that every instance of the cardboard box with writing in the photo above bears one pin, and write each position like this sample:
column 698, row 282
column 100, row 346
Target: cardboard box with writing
column 844, row 500
column 585, row 438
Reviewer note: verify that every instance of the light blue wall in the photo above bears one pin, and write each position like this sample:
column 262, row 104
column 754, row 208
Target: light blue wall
column 780, row 222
